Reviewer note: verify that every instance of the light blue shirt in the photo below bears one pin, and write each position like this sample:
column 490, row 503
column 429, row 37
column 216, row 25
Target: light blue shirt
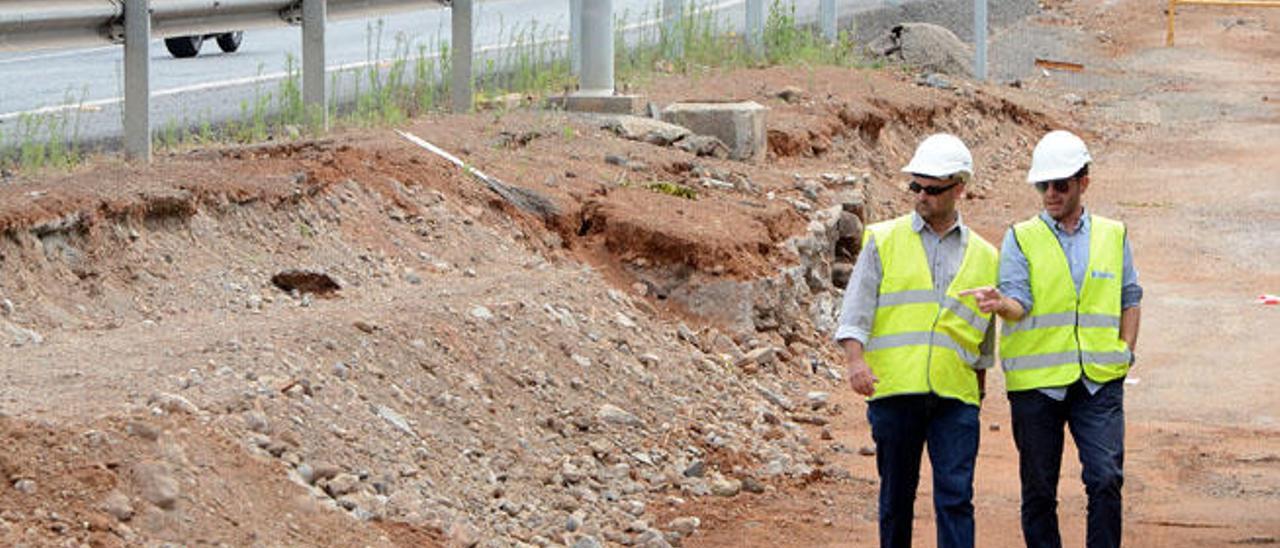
column 1015, row 278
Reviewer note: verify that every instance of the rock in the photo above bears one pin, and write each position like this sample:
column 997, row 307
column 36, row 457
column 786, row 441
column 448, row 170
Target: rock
column 867, row 451
column 6, row 307
column 840, row 275
column 752, row 485
column 817, row 400
column 775, row 398
column 790, row 94
column 143, row 430
column 933, row 80
column 695, row 470
column 615, row 160
column 25, row 486
column 21, row 336
column 481, row 313
column 759, row 356
column 587, row 542
column 312, row 473
column 573, row 523
column 651, row 538
column 686, row 526
column 341, row 370
column 612, row 414
column 117, row 505
column 1074, row 100
column 633, row 507
column 396, row 420
column 704, row 146
column 306, row 281
column 687, row 335
column 582, row 361
column 725, row 487
column 926, row 47
column 156, row 484
column 649, row 360
column 741, row 125
column 654, row 132
column 342, row 484
column 257, row 422
column 365, row 327
column 624, row 321
column 173, row 403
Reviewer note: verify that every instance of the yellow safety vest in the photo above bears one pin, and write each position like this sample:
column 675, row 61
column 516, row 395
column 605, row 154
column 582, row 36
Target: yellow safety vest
column 1067, row 333
column 922, row 341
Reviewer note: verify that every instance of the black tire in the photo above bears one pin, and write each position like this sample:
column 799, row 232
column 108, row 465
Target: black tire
column 183, row 47
column 230, row 42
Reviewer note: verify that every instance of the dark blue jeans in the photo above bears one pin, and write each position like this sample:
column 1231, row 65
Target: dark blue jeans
column 1097, row 426
column 901, row 426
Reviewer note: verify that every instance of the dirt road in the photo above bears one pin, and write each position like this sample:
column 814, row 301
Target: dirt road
column 1185, row 143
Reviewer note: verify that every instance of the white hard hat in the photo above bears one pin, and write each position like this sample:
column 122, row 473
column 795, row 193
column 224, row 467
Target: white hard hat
column 1058, row 155
column 941, row 155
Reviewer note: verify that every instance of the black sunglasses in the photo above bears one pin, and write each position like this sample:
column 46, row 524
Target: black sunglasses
column 1061, row 186
column 916, row 188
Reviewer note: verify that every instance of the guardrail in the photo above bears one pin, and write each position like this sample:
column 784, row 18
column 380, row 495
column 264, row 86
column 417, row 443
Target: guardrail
column 1172, row 10
column 30, row 24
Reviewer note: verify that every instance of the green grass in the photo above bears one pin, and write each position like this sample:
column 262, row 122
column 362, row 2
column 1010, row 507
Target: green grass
column 414, row 81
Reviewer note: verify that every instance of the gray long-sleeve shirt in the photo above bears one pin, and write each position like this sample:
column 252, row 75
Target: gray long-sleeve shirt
column 861, row 297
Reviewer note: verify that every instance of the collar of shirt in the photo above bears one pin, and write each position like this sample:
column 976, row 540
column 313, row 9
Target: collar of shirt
column 918, row 225
column 1057, row 226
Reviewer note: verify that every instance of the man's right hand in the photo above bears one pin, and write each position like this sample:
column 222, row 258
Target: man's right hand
column 861, row 379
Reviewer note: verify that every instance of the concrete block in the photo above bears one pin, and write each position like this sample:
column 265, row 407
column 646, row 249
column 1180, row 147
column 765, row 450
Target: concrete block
column 740, row 125
column 606, row 104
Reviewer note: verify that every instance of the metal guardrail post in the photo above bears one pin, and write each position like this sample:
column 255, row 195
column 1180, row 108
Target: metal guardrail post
column 830, row 19
column 672, row 29
column 597, row 48
column 137, row 80
column 314, row 95
column 575, row 36
column 980, row 40
column 463, row 46
column 755, row 26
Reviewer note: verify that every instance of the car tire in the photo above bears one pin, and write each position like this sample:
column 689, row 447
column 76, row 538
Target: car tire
column 183, row 47
column 230, row 42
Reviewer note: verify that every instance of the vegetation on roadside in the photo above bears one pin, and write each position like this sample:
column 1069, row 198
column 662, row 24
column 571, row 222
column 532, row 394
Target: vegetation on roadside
column 413, row 80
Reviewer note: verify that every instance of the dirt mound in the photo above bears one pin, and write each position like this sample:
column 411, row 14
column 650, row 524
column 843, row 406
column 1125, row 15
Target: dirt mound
column 925, row 47
column 470, row 375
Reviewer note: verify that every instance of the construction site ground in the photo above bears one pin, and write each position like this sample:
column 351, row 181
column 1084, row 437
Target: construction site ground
column 575, row 360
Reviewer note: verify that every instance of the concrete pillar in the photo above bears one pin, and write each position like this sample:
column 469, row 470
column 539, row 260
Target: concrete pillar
column 463, row 45
column 137, row 80
column 314, row 94
column 980, row 40
column 672, row 14
column 755, row 26
column 830, row 20
column 597, row 48
column 575, row 36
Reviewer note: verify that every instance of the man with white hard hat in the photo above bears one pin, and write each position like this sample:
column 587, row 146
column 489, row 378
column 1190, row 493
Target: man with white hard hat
column 918, row 349
column 1069, row 296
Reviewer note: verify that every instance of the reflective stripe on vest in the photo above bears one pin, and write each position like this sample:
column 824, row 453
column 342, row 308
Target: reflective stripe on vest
column 922, row 341
column 1067, row 333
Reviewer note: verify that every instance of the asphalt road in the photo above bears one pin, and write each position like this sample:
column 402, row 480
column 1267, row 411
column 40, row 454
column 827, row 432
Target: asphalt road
column 86, row 84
